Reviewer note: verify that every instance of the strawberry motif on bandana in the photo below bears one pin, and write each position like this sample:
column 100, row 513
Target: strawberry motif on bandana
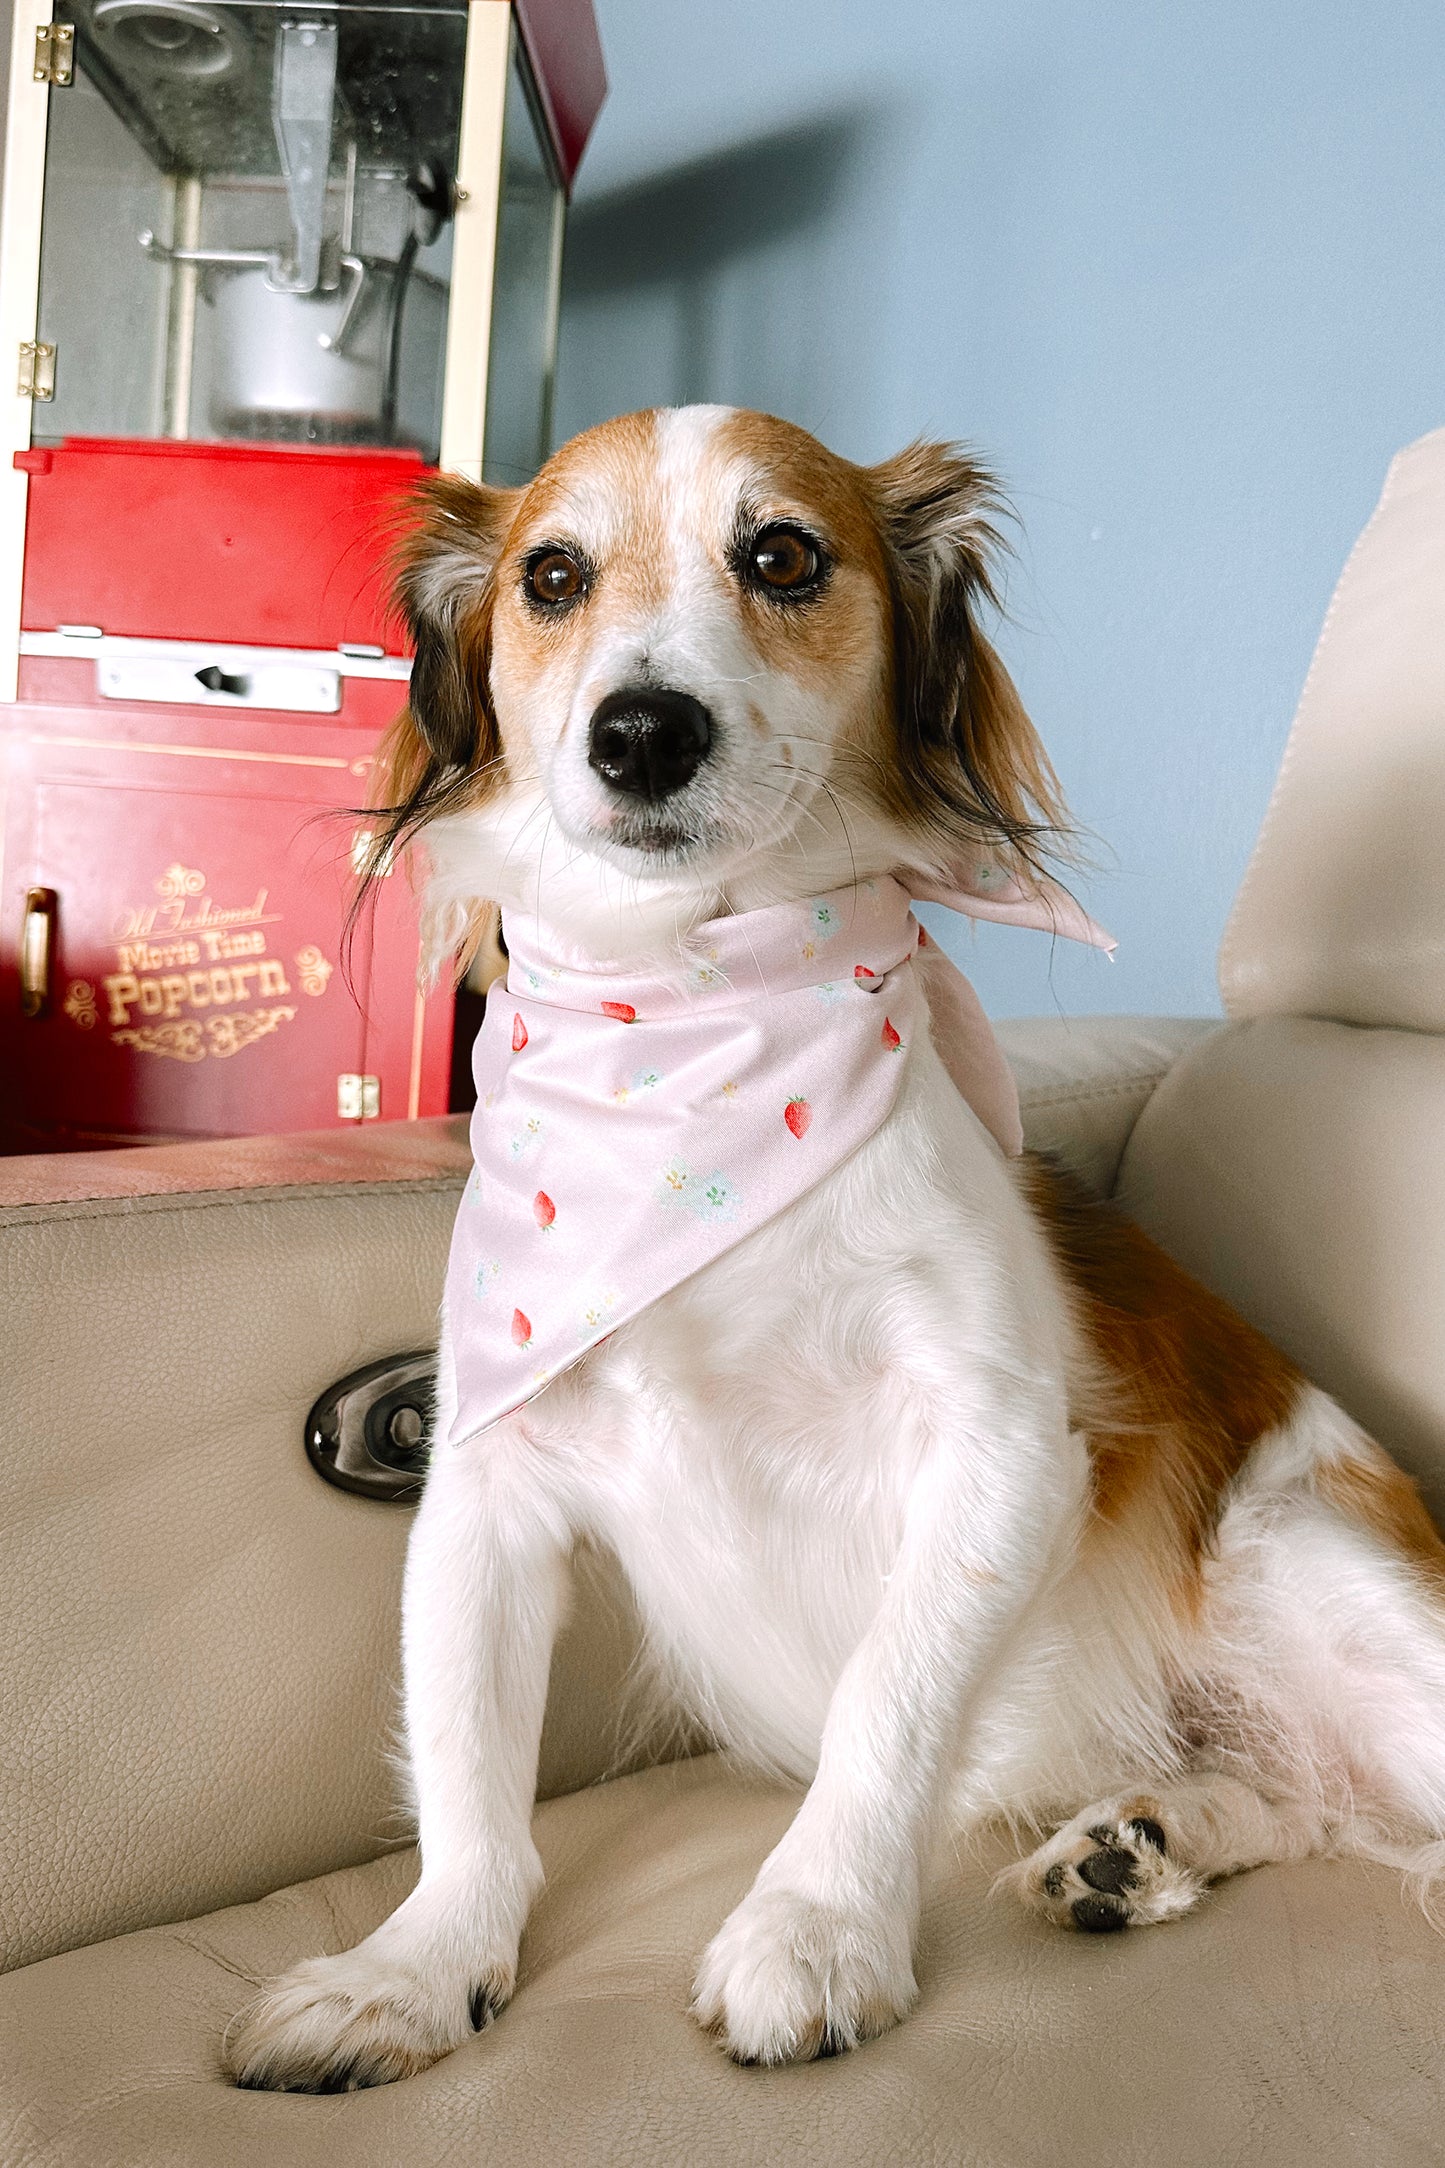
column 633, row 1125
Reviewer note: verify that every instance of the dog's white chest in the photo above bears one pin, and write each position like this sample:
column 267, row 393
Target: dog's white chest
column 748, row 1447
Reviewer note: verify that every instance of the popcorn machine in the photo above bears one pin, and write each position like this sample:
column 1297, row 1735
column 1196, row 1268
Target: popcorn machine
column 260, row 267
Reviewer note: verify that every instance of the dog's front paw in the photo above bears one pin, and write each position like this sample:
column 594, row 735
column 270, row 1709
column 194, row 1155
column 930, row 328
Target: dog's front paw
column 787, row 1979
column 335, row 2024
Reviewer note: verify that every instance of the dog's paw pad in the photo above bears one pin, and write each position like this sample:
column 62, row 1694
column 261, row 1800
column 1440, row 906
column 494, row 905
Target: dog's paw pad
column 1106, row 1870
column 1111, row 1870
column 1099, row 1915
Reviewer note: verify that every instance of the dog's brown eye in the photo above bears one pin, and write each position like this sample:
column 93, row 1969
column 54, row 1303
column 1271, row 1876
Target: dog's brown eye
column 556, row 577
column 784, row 559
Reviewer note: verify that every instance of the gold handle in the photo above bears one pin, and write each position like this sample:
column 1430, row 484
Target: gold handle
column 37, row 947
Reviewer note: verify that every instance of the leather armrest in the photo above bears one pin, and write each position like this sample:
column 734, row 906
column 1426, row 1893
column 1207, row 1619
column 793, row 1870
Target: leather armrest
column 373, row 1152
column 1085, row 1080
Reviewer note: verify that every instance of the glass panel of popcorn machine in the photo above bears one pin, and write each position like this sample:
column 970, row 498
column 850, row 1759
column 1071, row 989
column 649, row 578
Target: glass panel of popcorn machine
column 247, row 222
column 522, row 352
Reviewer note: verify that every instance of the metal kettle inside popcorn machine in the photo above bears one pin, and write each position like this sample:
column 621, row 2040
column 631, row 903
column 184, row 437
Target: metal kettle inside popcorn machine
column 260, row 267
column 309, row 213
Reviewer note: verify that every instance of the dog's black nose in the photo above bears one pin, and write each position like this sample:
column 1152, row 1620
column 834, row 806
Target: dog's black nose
column 648, row 743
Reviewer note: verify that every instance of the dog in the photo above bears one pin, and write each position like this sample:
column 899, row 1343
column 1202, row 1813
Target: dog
column 942, row 1491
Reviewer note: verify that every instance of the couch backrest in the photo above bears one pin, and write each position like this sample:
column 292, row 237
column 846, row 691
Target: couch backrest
column 1342, row 910
column 1296, row 1160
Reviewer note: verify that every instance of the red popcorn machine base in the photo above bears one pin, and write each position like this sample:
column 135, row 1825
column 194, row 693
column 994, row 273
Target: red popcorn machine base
column 179, row 855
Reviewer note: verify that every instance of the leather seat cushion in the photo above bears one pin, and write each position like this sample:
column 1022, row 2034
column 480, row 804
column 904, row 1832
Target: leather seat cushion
column 1297, row 2020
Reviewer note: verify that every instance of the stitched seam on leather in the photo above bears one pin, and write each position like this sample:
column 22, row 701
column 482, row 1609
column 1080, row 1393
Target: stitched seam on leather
column 30, row 1215
column 1044, row 1095
column 1229, row 938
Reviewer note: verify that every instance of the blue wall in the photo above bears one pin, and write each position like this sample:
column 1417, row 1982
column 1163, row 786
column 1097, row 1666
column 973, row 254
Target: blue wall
column 1179, row 270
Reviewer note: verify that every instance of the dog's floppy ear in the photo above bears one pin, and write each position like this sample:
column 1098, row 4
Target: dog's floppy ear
column 971, row 767
column 445, row 738
column 442, row 576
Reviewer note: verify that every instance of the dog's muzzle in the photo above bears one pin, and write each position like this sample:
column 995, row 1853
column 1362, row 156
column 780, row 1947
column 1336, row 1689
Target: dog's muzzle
column 648, row 743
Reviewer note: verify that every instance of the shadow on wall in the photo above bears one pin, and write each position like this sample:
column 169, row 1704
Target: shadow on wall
column 666, row 246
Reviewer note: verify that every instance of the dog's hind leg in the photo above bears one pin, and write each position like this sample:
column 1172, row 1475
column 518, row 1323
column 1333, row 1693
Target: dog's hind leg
column 1324, row 1656
column 1143, row 1857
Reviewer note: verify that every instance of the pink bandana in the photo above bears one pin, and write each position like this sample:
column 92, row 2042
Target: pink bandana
column 633, row 1125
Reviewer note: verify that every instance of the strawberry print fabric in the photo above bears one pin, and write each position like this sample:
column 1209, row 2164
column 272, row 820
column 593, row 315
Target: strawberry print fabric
column 633, row 1125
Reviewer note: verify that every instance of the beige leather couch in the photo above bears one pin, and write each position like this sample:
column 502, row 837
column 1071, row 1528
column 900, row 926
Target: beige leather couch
column 198, row 1641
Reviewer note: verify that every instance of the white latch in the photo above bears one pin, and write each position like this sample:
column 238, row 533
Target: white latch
column 217, row 677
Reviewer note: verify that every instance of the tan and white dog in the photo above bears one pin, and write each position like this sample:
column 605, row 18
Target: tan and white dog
column 987, row 1510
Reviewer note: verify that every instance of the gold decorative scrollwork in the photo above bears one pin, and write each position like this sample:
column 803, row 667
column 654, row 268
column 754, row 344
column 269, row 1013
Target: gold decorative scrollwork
column 222, row 1035
column 178, row 1042
column 231, row 1034
column 312, row 969
column 179, row 880
column 79, row 1003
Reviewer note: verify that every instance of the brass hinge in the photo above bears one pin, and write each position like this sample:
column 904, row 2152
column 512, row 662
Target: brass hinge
column 358, row 1098
column 366, row 859
column 36, row 379
column 55, row 54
